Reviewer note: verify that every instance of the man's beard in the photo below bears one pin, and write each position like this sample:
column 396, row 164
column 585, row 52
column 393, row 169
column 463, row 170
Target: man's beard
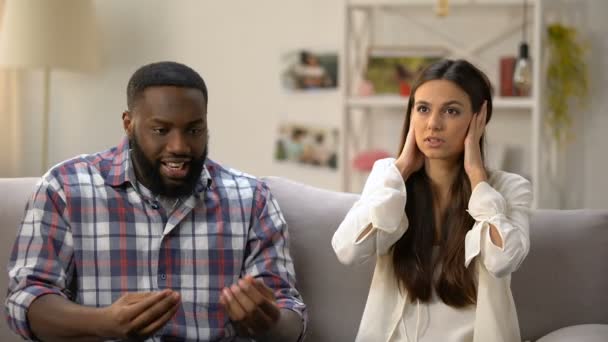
column 149, row 171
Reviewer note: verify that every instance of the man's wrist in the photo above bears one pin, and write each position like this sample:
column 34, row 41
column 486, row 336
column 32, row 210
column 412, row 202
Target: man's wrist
column 99, row 325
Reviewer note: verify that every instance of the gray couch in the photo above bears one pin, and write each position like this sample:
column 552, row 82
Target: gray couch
column 561, row 290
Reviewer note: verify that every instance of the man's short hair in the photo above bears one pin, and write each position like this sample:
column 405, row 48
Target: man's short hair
column 163, row 74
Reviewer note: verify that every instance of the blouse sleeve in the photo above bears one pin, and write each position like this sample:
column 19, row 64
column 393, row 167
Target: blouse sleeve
column 505, row 205
column 381, row 208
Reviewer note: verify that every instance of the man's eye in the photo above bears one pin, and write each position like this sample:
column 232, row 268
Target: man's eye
column 196, row 131
column 159, row 131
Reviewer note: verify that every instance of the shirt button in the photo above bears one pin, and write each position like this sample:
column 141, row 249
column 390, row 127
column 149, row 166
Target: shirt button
column 163, row 276
column 154, row 205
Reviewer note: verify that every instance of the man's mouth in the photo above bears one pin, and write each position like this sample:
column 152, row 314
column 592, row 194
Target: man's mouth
column 175, row 169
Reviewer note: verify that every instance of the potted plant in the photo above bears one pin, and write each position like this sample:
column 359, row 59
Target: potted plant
column 567, row 79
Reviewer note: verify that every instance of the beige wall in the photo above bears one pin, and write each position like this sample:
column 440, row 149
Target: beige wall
column 236, row 46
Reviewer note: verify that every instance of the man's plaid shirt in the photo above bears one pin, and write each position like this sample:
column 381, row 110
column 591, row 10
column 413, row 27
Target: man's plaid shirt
column 90, row 236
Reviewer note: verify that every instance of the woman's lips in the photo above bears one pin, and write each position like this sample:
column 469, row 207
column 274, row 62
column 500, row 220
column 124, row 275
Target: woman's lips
column 433, row 142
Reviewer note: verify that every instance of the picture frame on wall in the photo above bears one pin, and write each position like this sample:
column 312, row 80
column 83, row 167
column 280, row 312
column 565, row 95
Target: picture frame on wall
column 309, row 69
column 307, row 145
column 391, row 70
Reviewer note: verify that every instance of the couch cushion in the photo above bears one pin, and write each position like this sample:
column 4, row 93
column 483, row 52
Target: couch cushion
column 335, row 294
column 582, row 333
column 563, row 281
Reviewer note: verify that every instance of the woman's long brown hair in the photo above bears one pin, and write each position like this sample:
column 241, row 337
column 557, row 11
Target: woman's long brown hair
column 412, row 254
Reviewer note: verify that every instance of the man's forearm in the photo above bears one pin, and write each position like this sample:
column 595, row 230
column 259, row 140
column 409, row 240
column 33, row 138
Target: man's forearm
column 54, row 318
column 288, row 328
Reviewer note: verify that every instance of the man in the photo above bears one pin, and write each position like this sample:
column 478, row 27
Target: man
column 151, row 239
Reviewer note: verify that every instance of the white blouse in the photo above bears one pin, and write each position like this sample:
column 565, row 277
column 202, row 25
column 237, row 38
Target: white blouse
column 503, row 201
column 435, row 321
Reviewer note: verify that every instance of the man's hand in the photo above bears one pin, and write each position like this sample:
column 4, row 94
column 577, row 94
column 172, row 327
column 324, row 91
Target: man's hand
column 138, row 315
column 251, row 305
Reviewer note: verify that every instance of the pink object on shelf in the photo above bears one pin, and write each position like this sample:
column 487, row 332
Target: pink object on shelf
column 365, row 160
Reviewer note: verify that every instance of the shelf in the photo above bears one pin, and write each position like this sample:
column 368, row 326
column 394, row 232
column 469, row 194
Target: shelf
column 402, row 3
column 395, row 101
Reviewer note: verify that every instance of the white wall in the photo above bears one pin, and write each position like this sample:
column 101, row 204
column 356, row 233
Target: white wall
column 236, row 46
column 595, row 163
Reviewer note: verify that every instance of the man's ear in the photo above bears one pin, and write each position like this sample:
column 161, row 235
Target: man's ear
column 127, row 122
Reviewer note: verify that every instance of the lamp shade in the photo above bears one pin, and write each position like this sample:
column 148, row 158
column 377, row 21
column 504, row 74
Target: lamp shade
column 51, row 34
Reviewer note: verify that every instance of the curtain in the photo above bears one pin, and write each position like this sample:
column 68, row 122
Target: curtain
column 10, row 120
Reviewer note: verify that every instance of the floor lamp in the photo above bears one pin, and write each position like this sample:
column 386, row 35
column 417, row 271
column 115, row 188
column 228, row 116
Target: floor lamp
column 49, row 35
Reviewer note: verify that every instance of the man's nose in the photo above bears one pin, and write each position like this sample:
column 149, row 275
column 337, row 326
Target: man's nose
column 178, row 144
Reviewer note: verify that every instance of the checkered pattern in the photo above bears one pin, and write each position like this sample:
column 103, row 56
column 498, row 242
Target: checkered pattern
column 89, row 235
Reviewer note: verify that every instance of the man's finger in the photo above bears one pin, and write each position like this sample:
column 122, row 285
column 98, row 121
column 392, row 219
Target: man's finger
column 262, row 287
column 268, row 306
column 156, row 311
column 235, row 311
column 160, row 322
column 136, row 309
column 135, row 297
column 247, row 296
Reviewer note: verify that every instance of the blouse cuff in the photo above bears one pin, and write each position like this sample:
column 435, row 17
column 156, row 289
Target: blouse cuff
column 487, row 206
column 473, row 239
column 386, row 196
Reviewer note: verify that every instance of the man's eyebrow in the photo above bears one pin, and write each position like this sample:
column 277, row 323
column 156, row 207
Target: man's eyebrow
column 191, row 123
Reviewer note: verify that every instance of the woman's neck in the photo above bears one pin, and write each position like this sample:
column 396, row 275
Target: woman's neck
column 442, row 174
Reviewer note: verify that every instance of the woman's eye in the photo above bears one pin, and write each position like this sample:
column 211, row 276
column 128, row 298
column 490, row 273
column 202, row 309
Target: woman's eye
column 452, row 111
column 422, row 109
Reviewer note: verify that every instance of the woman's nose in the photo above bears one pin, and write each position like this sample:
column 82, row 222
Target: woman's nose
column 435, row 122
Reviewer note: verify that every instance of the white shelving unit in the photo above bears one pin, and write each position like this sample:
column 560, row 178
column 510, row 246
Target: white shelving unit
column 362, row 19
column 395, row 101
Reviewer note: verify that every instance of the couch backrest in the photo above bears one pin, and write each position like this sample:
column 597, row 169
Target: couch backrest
column 334, row 294
column 564, row 279
column 14, row 193
column 562, row 282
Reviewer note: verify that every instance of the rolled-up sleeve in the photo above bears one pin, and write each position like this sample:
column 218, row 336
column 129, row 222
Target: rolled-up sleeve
column 40, row 258
column 377, row 220
column 505, row 205
column 269, row 258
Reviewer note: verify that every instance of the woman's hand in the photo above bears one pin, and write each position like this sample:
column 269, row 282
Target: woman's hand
column 473, row 163
column 411, row 158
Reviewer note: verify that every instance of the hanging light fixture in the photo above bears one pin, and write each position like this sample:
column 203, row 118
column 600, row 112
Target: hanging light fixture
column 442, row 8
column 522, row 76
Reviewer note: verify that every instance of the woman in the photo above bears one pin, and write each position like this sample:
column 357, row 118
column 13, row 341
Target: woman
column 443, row 264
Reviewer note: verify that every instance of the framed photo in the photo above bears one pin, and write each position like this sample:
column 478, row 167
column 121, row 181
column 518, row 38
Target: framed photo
column 304, row 144
column 392, row 70
column 308, row 70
